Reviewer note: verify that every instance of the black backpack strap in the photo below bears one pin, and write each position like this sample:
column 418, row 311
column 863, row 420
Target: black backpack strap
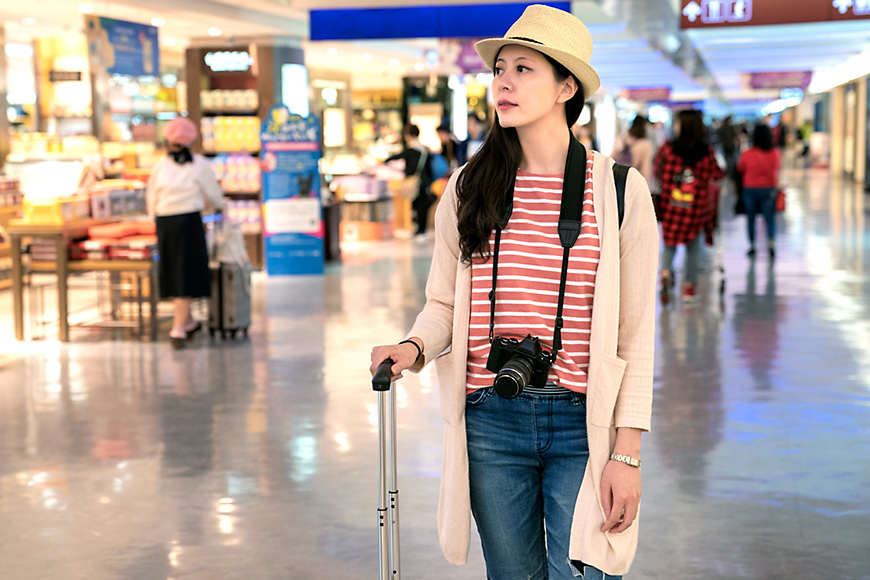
column 620, row 176
column 573, row 187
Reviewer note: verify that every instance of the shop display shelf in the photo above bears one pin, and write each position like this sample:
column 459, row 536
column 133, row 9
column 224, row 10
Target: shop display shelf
column 230, row 113
column 211, row 153
column 245, row 194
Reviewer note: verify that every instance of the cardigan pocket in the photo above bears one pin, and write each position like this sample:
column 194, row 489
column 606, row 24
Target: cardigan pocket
column 604, row 383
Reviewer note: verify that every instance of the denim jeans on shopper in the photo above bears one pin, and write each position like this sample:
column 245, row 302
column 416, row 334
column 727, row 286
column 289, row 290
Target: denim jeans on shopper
column 693, row 249
column 526, row 458
column 760, row 200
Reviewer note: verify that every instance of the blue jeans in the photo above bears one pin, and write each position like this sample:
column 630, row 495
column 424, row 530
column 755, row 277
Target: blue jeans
column 693, row 249
column 760, row 200
column 526, row 460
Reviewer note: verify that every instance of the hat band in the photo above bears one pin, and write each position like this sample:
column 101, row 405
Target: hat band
column 524, row 39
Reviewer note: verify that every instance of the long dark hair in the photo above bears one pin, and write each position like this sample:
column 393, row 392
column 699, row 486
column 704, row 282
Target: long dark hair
column 638, row 127
column 762, row 137
column 489, row 176
column 691, row 143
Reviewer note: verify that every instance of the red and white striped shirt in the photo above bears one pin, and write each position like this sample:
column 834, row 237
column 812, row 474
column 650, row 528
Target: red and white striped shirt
column 527, row 292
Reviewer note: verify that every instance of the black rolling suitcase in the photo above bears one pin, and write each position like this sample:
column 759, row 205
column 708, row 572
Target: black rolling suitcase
column 388, row 506
column 229, row 308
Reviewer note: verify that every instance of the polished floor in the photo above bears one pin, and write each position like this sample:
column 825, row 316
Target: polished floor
column 257, row 459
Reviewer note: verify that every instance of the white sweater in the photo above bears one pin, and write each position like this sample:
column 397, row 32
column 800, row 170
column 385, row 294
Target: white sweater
column 175, row 189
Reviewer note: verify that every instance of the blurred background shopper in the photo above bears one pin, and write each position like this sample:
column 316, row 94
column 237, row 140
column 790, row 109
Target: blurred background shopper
column 759, row 168
column 181, row 186
column 685, row 167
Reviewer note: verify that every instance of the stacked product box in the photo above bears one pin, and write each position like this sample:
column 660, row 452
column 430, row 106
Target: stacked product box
column 229, row 100
column 118, row 241
column 5, row 268
column 117, row 197
column 10, row 195
column 238, row 173
column 230, row 134
column 245, row 213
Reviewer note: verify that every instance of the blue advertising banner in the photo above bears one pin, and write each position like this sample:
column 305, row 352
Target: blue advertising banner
column 124, row 48
column 292, row 218
column 467, row 20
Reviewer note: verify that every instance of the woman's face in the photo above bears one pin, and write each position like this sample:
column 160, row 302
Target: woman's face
column 526, row 91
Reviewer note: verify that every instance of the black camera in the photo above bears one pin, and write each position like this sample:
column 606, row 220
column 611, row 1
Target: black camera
column 517, row 364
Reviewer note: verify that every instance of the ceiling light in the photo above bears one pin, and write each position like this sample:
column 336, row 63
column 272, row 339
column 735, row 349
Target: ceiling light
column 214, row 32
column 394, row 62
column 86, row 9
column 332, row 51
column 419, row 66
column 157, row 21
column 367, row 57
column 28, row 21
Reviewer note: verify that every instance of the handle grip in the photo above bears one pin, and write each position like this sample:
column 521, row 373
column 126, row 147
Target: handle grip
column 383, row 376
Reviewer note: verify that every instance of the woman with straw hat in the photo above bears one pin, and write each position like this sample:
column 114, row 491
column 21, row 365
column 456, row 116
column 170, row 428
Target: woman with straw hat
column 181, row 186
column 551, row 475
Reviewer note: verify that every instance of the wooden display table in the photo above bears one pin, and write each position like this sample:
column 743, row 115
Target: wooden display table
column 62, row 266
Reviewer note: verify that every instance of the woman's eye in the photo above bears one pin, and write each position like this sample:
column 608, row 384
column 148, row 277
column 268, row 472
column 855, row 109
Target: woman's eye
column 497, row 70
column 521, row 68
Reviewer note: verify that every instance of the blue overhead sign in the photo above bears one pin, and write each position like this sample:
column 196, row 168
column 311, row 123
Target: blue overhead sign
column 472, row 20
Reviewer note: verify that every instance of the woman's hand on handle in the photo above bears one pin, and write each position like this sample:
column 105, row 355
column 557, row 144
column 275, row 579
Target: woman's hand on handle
column 404, row 356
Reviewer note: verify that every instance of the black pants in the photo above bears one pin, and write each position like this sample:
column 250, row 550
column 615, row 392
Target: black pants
column 421, row 204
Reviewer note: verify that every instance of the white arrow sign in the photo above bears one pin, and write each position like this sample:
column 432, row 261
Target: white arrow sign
column 692, row 11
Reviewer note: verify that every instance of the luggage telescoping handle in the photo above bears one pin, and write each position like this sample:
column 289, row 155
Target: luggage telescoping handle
column 388, row 507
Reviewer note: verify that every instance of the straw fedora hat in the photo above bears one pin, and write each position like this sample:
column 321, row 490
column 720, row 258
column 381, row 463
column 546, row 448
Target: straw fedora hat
column 554, row 32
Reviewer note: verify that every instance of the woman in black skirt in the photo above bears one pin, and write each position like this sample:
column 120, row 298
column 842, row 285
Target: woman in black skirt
column 181, row 186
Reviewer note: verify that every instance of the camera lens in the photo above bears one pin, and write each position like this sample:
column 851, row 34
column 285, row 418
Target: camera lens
column 513, row 377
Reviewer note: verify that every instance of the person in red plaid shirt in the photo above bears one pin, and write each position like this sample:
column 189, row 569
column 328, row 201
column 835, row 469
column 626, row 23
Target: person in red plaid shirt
column 685, row 167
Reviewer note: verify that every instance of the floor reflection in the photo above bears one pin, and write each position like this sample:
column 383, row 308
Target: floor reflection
column 256, row 459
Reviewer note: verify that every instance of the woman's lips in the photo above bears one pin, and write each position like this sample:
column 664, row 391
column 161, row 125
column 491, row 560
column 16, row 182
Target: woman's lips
column 503, row 105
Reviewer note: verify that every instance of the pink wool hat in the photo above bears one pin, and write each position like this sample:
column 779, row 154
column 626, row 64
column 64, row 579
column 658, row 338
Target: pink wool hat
column 180, row 131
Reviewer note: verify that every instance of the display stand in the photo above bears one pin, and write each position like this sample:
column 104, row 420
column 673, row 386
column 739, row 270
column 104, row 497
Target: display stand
column 230, row 90
column 293, row 220
column 61, row 234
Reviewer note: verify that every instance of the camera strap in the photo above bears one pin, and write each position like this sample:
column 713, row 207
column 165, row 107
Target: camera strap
column 570, row 214
column 573, row 190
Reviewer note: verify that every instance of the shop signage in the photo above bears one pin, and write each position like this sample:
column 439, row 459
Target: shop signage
column 468, row 20
column 648, row 94
column 779, row 79
column 64, row 76
column 229, row 61
column 460, row 52
column 292, row 218
column 717, row 13
column 124, row 48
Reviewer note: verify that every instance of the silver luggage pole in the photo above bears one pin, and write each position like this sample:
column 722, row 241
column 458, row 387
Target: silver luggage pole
column 388, row 513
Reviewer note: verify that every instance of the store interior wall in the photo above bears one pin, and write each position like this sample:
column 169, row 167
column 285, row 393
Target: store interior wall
column 861, row 133
column 5, row 137
column 838, row 128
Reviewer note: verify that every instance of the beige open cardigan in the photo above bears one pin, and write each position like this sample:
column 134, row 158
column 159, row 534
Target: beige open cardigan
column 620, row 366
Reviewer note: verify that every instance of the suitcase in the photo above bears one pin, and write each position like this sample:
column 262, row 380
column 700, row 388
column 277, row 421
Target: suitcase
column 388, row 506
column 229, row 308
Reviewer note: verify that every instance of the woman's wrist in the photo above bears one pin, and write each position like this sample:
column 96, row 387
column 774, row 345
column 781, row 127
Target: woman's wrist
column 417, row 344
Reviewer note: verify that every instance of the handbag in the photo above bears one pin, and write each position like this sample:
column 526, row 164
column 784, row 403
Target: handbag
column 779, row 204
column 409, row 186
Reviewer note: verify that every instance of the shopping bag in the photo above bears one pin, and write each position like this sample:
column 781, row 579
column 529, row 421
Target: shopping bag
column 779, row 204
column 230, row 245
column 408, row 187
